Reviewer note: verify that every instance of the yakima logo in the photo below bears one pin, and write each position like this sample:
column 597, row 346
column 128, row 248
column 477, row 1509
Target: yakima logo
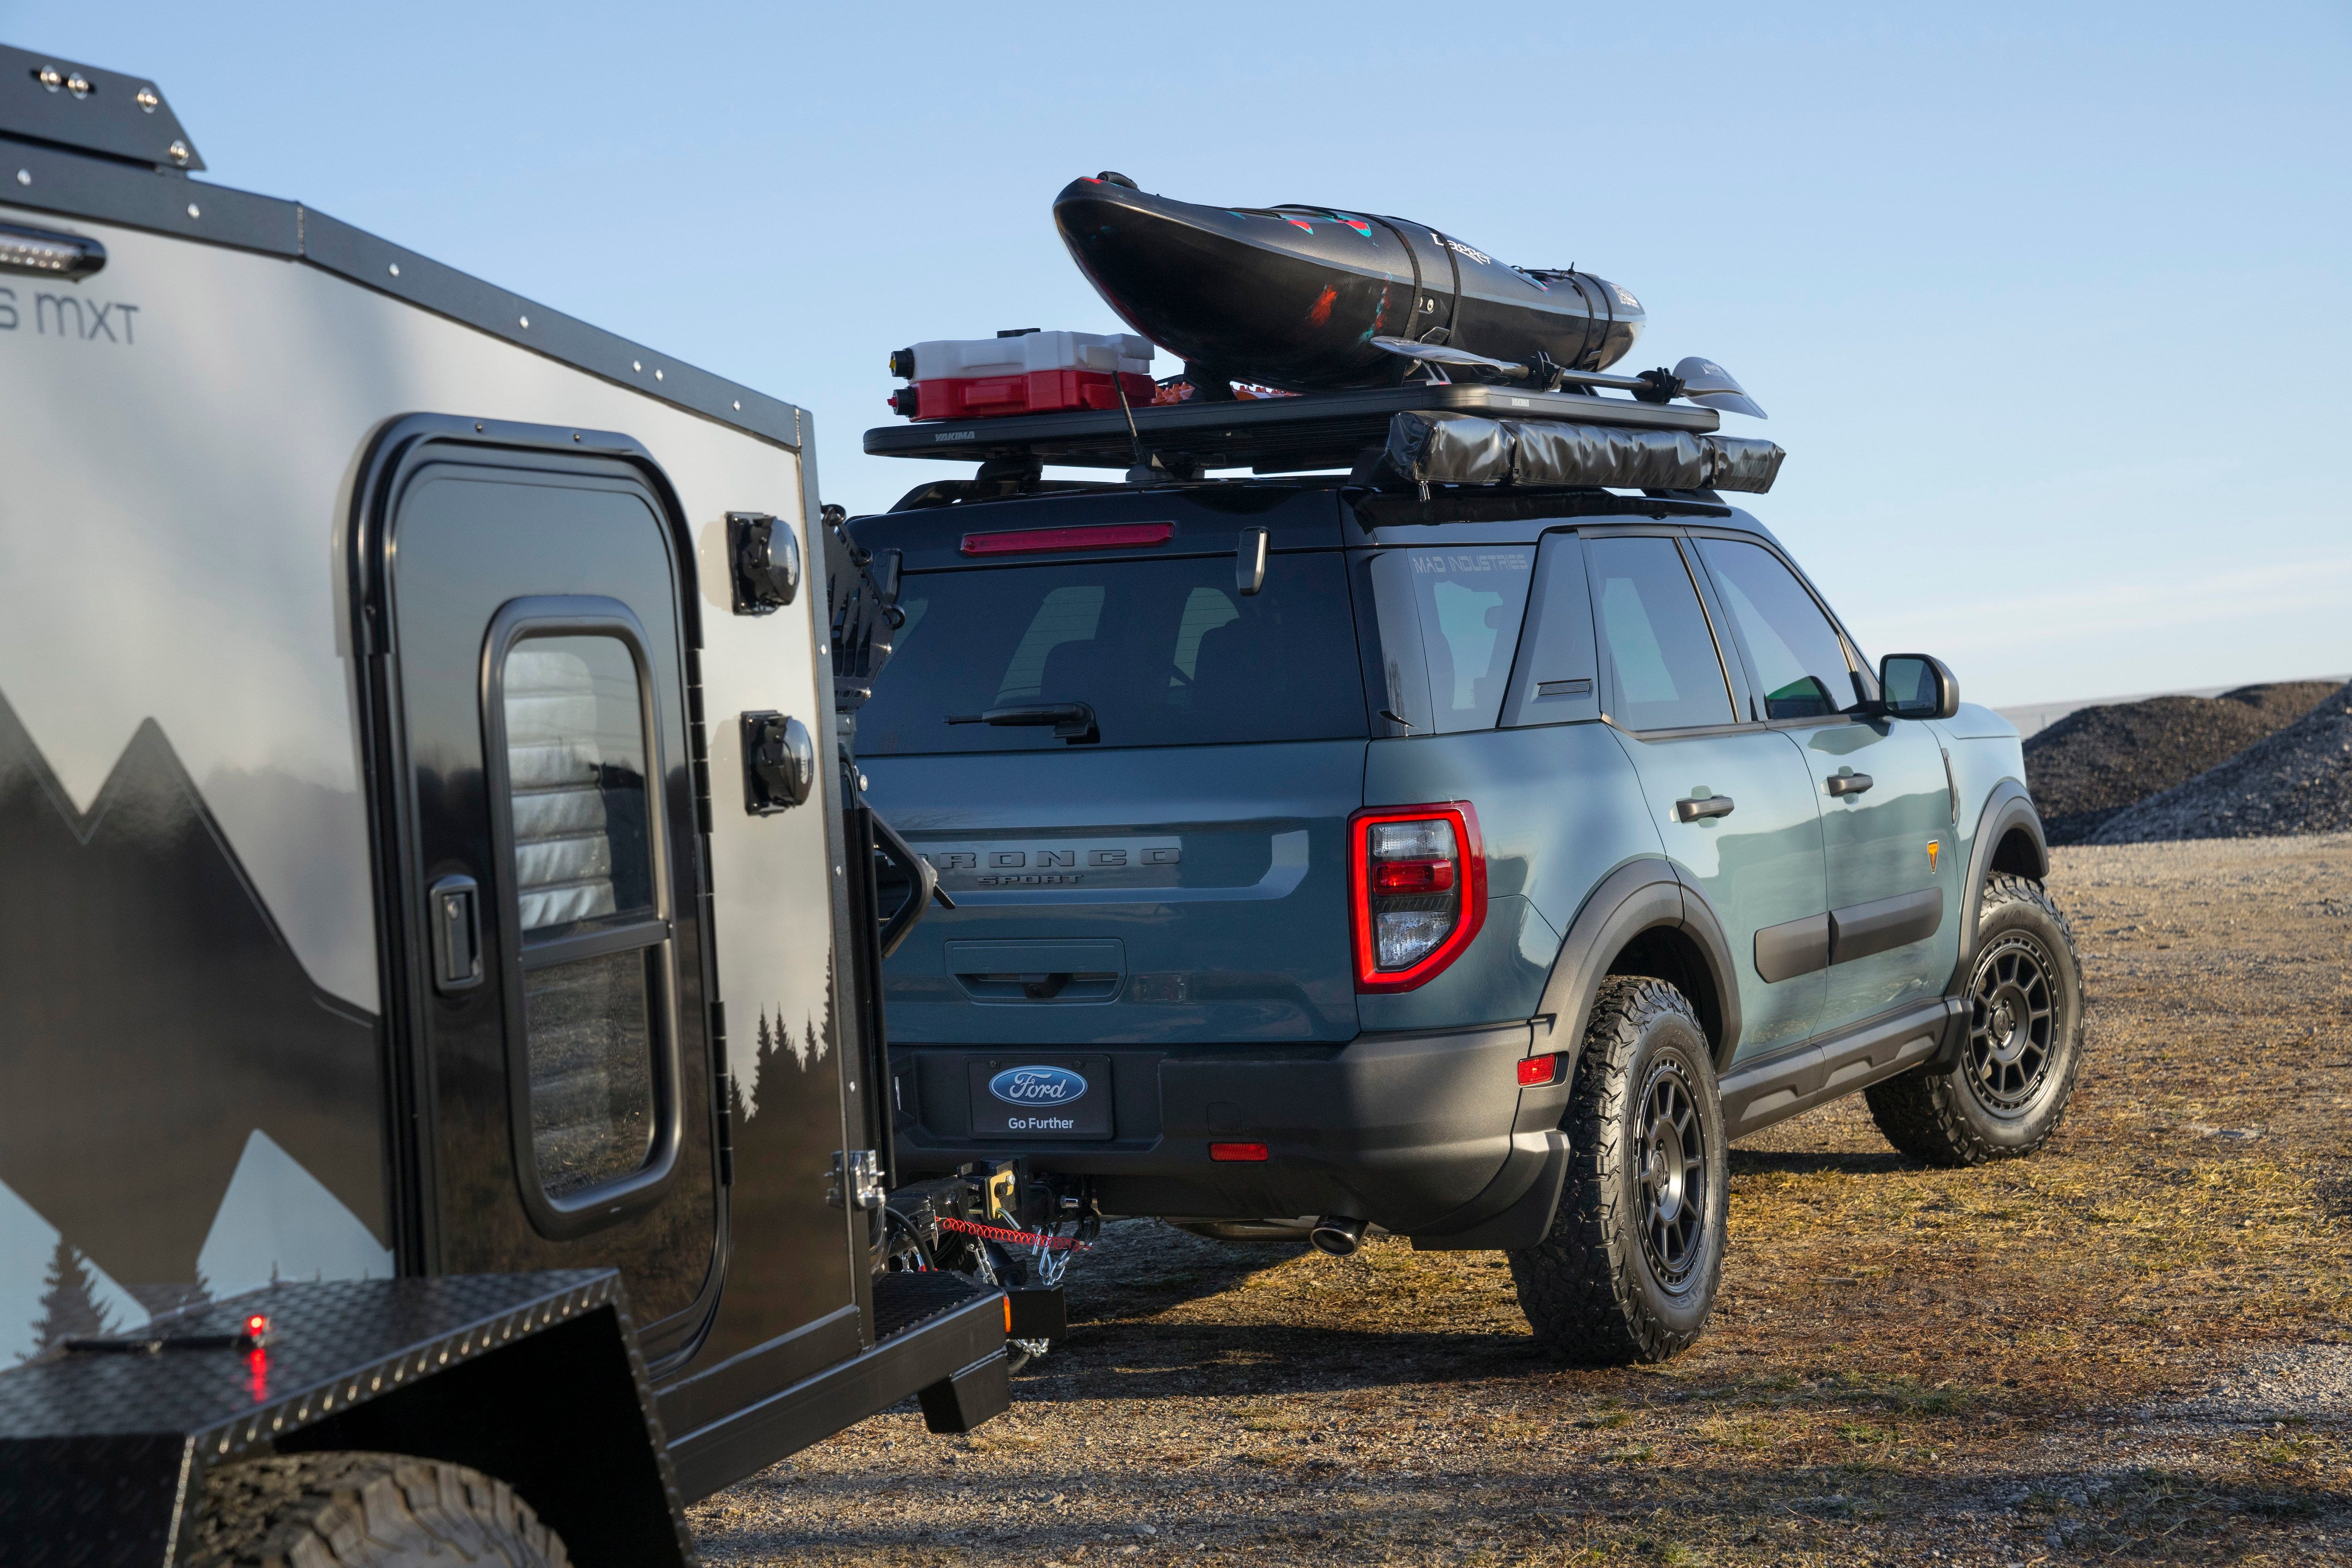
column 1037, row 1086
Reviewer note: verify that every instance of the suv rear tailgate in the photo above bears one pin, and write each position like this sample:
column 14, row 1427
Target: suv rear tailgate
column 1151, row 895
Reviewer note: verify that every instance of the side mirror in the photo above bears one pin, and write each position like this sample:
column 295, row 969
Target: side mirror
column 1914, row 686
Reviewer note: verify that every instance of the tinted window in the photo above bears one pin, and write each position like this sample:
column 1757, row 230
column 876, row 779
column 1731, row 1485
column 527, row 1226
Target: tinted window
column 1471, row 602
column 1166, row 652
column 1798, row 659
column 589, row 1039
column 574, row 716
column 1664, row 673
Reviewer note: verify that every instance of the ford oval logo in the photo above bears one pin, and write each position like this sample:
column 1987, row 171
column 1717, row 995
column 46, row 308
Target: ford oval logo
column 1037, row 1086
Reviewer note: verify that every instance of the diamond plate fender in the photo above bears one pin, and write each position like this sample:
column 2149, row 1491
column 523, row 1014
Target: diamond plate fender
column 532, row 1378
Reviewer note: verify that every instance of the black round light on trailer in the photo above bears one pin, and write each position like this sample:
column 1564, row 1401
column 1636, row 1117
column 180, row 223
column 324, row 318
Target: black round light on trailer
column 46, row 254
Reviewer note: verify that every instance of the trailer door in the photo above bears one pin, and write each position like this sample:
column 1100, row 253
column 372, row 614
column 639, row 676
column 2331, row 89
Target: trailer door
column 562, row 1075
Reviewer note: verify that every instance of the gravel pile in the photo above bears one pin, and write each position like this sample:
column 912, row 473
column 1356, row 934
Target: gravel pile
column 2095, row 762
column 2297, row 780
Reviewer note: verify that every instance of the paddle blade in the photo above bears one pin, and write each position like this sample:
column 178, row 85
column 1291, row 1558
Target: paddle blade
column 1708, row 382
column 1438, row 353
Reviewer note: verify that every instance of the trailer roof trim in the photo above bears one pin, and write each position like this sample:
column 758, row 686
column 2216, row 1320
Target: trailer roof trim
column 44, row 98
column 36, row 176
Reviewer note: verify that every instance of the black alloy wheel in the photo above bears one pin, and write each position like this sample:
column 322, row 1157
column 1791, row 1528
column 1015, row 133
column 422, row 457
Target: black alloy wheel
column 2005, row 1086
column 1629, row 1270
column 1674, row 1174
column 2012, row 1025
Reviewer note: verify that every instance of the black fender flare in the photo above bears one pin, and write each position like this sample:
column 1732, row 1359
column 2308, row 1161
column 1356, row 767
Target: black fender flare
column 1642, row 895
column 2009, row 808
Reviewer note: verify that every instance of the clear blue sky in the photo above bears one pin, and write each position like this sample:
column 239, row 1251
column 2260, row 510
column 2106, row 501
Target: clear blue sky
column 2048, row 304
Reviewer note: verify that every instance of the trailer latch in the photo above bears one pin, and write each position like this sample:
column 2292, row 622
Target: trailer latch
column 766, row 559
column 856, row 1180
column 779, row 763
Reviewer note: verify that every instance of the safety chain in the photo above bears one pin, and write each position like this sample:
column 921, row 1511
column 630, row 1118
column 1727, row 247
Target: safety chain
column 1015, row 1237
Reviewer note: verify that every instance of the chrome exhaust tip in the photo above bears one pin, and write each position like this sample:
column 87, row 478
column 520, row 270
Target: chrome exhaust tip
column 1335, row 1236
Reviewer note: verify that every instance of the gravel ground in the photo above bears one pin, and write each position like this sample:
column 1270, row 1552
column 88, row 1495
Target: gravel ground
column 2134, row 1347
column 2096, row 761
column 2297, row 780
column 2306, row 1383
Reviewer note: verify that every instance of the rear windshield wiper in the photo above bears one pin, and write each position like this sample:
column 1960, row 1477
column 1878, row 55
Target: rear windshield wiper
column 1073, row 722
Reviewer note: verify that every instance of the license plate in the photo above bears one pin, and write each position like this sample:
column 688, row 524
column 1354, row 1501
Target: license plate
column 1040, row 1097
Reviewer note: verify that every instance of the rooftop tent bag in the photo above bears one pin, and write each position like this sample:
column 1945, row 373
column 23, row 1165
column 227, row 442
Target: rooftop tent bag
column 1022, row 372
column 1466, row 449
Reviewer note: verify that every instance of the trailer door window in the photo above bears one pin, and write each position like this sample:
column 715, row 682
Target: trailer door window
column 574, row 714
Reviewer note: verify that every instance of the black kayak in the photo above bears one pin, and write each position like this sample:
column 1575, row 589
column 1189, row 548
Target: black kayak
column 1292, row 297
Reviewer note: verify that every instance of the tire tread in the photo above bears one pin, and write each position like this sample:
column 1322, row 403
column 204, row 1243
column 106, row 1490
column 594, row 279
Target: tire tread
column 1920, row 1112
column 1578, row 1285
column 365, row 1510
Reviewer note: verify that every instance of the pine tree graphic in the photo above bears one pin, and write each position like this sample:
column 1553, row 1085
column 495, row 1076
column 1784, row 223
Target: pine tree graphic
column 68, row 1304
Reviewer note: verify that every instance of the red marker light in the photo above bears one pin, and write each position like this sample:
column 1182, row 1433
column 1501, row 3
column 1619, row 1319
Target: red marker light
column 1236, row 1151
column 1537, row 1071
column 257, row 1329
column 1086, row 536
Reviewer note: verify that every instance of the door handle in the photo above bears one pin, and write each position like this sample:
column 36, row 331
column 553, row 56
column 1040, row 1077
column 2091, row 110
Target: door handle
column 453, row 906
column 1692, row 808
column 1850, row 784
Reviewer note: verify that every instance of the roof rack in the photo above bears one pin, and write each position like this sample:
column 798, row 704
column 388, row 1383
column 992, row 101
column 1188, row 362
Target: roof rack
column 1267, row 435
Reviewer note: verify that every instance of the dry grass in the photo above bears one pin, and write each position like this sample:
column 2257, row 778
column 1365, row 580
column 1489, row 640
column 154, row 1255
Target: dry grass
column 1906, row 1364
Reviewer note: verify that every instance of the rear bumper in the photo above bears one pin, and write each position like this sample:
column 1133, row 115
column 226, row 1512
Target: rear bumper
column 1424, row 1134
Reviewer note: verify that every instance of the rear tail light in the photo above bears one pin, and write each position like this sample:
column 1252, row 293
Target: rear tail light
column 1417, row 892
column 1244, row 1152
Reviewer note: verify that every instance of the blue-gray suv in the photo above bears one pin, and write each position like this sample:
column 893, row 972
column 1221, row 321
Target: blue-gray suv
column 1324, row 867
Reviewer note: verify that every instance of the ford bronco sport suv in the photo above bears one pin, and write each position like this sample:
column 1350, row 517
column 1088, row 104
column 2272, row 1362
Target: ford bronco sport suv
column 1473, row 869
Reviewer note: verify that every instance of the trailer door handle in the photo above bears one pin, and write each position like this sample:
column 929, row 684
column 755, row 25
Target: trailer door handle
column 1691, row 808
column 454, row 905
column 1850, row 784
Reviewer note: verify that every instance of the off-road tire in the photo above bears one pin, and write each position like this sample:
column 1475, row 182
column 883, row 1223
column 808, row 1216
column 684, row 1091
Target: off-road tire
column 1953, row 1117
column 1595, row 1291
column 365, row 1510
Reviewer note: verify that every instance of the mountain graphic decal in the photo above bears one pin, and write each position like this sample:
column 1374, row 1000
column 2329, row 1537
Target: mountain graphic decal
column 155, row 1021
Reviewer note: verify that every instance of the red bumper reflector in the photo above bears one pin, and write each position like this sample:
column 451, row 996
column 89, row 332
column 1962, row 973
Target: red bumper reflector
column 1094, row 536
column 1537, row 1071
column 1236, row 1151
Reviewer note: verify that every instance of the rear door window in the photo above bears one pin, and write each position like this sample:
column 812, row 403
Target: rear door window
column 1166, row 652
column 1663, row 670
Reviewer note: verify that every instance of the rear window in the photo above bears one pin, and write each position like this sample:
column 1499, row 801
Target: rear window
column 1468, row 603
column 1166, row 652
